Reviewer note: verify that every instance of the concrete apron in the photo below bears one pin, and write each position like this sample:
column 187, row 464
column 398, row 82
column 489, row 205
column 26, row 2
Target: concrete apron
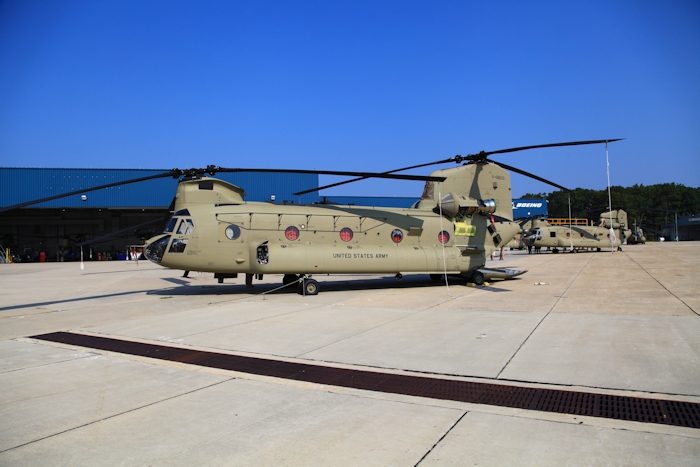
column 614, row 323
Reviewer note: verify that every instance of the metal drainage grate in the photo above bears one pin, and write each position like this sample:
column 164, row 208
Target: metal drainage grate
column 636, row 409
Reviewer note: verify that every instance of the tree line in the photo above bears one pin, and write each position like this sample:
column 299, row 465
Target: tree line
column 650, row 207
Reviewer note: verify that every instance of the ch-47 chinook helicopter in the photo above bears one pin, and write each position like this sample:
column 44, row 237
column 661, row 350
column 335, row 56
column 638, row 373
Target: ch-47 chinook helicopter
column 611, row 232
column 464, row 215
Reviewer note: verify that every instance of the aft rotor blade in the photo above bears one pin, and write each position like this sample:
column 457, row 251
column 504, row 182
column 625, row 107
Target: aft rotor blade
column 172, row 173
column 364, row 178
column 335, row 172
column 528, row 174
column 483, row 154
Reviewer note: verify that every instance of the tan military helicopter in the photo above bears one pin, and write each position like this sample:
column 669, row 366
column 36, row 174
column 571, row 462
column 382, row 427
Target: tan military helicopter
column 610, row 232
column 637, row 236
column 464, row 215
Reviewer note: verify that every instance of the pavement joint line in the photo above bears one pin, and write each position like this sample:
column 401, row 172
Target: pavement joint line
column 544, row 317
column 440, row 440
column 48, row 364
column 115, row 415
column 585, row 420
column 665, row 288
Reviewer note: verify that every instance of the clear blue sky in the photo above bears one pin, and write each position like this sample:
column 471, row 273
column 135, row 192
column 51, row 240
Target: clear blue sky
column 354, row 85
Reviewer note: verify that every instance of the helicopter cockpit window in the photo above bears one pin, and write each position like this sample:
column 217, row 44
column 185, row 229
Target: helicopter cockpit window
column 171, row 225
column 186, row 227
column 178, row 245
column 182, row 212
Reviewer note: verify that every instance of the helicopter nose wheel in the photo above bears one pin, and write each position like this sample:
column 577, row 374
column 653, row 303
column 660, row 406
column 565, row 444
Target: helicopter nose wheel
column 308, row 287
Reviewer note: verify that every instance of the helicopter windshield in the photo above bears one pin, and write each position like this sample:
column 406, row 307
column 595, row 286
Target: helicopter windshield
column 186, row 227
column 171, row 225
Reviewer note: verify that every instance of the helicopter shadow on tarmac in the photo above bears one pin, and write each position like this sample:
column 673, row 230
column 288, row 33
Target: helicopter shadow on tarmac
column 340, row 285
column 72, row 300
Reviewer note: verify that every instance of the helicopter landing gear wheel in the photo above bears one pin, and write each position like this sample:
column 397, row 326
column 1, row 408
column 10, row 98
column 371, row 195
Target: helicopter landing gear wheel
column 308, row 287
column 289, row 278
column 478, row 278
column 436, row 277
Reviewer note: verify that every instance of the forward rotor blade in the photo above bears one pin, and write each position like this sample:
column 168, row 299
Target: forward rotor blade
column 482, row 155
column 113, row 234
column 335, row 172
column 364, row 178
column 528, row 174
column 172, row 173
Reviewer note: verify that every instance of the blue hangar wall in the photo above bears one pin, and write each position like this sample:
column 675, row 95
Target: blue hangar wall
column 18, row 185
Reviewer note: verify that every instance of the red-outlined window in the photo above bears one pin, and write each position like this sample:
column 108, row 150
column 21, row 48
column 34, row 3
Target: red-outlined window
column 396, row 235
column 443, row 237
column 292, row 233
column 346, row 234
column 568, row 234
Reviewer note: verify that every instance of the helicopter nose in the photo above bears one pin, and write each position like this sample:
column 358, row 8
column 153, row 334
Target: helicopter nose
column 155, row 250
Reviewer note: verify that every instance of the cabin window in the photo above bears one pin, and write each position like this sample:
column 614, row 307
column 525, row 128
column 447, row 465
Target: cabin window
column 263, row 254
column 567, row 235
column 346, row 234
column 443, row 237
column 233, row 232
column 396, row 235
column 552, row 234
column 292, row 233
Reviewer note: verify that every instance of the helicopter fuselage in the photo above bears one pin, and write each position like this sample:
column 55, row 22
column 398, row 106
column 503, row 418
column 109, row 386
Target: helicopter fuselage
column 264, row 238
column 214, row 230
column 544, row 234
